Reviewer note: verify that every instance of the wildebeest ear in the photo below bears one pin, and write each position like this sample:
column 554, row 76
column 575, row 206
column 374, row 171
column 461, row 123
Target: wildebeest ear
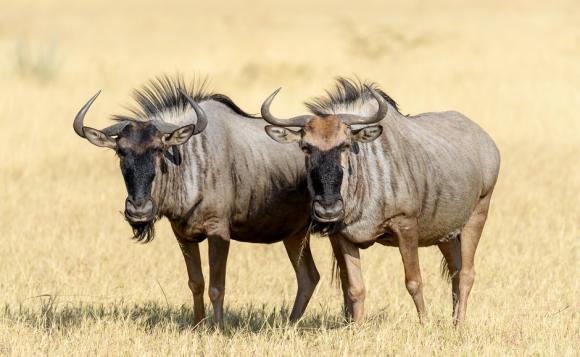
column 367, row 134
column 179, row 136
column 97, row 137
column 282, row 135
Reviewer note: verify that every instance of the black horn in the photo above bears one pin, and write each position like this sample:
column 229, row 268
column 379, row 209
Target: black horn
column 78, row 123
column 164, row 127
column 299, row 121
column 115, row 129
column 201, row 117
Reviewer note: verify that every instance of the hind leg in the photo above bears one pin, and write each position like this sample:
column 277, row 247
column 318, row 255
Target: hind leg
column 451, row 251
column 218, row 256
column 469, row 239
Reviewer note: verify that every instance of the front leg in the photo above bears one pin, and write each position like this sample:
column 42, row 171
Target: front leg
column 407, row 231
column 348, row 258
column 218, row 257
column 342, row 273
column 196, row 284
column 298, row 249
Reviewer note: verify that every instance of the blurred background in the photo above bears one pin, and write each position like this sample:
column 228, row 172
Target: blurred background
column 513, row 67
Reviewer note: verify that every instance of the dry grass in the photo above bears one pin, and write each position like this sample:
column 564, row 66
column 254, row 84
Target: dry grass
column 72, row 283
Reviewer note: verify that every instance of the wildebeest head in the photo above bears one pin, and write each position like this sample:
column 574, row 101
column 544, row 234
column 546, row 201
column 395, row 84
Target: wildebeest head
column 327, row 142
column 141, row 146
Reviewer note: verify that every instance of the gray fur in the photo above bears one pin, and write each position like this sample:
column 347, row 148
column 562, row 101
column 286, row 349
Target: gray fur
column 233, row 182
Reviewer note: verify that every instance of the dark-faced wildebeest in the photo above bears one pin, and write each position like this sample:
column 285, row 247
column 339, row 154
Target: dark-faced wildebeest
column 203, row 163
column 417, row 181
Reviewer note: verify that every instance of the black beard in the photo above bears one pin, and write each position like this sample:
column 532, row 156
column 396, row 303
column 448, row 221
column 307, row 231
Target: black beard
column 143, row 232
column 326, row 229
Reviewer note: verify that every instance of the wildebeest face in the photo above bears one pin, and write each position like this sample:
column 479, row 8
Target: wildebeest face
column 141, row 147
column 327, row 143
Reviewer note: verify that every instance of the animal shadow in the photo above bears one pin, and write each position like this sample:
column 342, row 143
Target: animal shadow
column 52, row 314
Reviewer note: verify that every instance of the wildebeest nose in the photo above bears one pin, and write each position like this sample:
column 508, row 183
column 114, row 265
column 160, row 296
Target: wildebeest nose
column 328, row 212
column 139, row 211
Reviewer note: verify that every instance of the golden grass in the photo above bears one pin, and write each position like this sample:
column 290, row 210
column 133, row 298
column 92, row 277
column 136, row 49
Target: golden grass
column 72, row 283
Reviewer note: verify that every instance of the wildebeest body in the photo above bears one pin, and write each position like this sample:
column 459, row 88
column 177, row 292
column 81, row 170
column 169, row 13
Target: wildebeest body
column 433, row 165
column 235, row 182
column 199, row 160
column 404, row 181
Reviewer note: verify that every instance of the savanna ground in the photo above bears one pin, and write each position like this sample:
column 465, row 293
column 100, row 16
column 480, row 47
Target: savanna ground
column 73, row 283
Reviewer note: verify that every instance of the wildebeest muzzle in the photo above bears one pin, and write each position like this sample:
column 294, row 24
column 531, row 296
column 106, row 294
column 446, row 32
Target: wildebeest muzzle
column 327, row 210
column 140, row 211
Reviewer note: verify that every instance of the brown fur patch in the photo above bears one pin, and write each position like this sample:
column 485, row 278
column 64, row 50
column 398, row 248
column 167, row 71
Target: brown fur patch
column 325, row 133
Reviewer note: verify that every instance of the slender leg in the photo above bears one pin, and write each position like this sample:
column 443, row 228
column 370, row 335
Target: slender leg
column 196, row 284
column 218, row 257
column 407, row 233
column 347, row 307
column 469, row 239
column 298, row 249
column 352, row 282
column 451, row 251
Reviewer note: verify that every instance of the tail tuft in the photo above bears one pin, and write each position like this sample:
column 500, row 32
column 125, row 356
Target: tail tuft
column 444, row 268
column 335, row 275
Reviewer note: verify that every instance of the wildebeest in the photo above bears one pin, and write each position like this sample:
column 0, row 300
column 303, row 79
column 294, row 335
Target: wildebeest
column 411, row 181
column 199, row 160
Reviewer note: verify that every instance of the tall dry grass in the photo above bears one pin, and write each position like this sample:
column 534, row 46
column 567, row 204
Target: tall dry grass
column 72, row 283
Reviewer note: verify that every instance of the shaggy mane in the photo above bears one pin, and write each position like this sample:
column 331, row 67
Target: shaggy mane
column 162, row 94
column 347, row 92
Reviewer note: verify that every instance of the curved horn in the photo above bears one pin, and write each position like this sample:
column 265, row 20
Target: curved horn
column 78, row 122
column 201, row 117
column 115, row 129
column 164, row 127
column 300, row 121
column 351, row 119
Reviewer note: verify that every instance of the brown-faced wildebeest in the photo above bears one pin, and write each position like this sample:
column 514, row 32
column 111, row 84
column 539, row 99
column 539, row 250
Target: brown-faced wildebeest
column 202, row 162
column 409, row 182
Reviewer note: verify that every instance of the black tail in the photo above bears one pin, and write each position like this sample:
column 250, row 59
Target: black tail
column 444, row 268
column 335, row 275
